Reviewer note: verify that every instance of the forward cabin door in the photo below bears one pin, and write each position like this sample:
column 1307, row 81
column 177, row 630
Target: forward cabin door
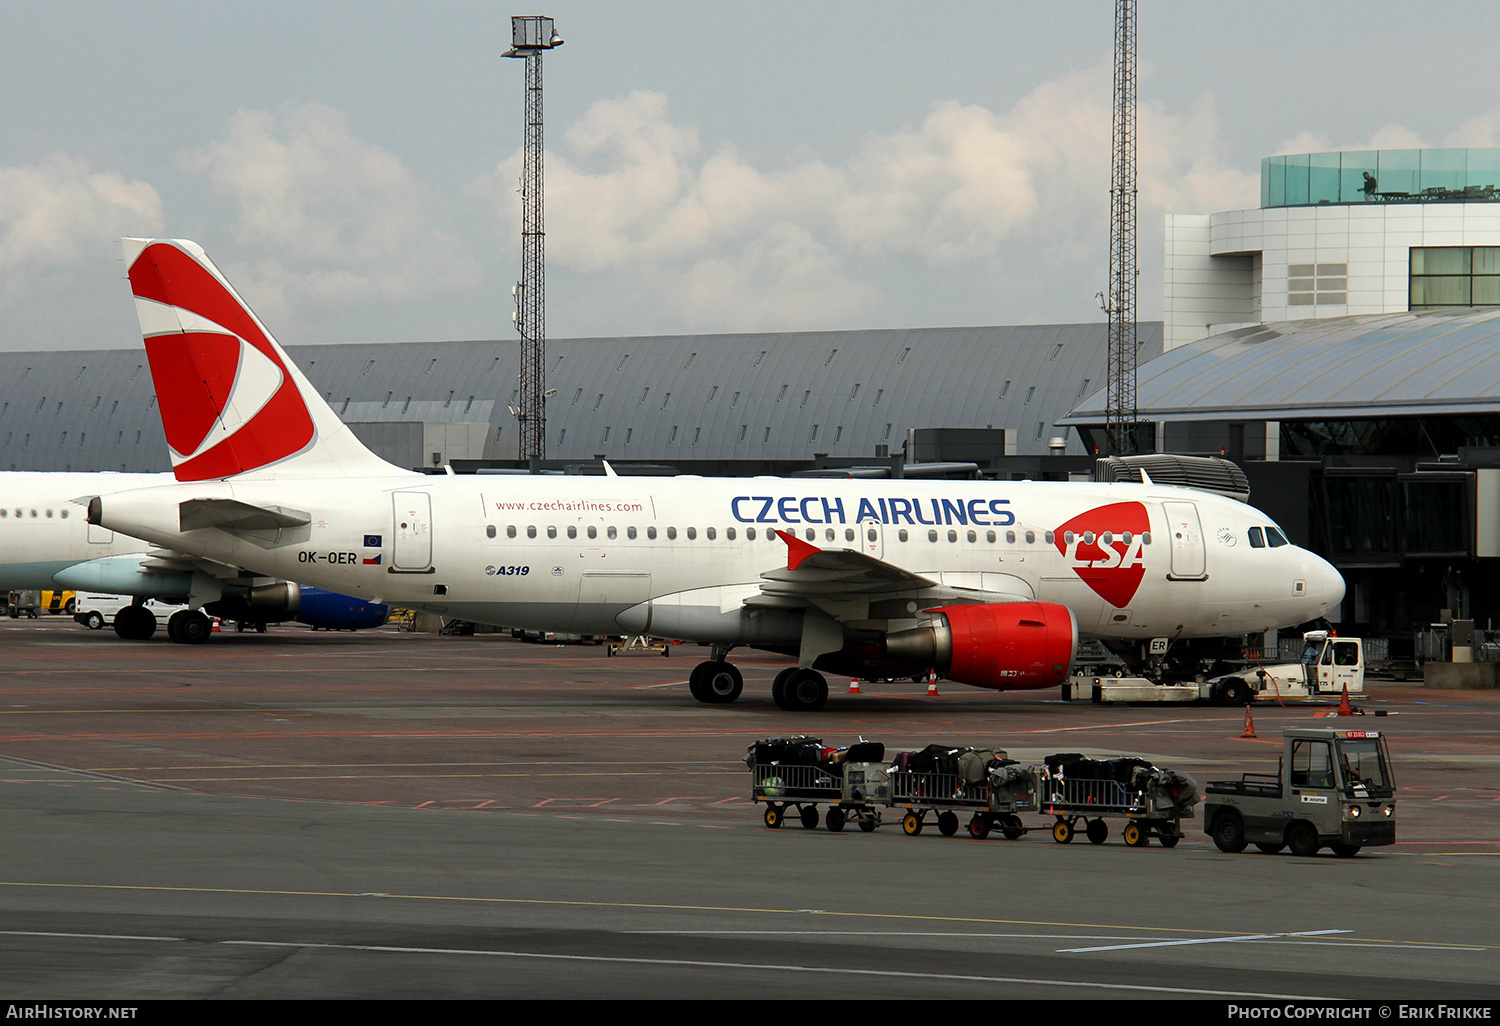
column 411, row 548
column 1189, row 561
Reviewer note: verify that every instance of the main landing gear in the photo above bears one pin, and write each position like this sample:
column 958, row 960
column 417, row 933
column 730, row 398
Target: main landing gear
column 189, row 627
column 135, row 623
column 715, row 682
column 799, row 689
column 796, row 689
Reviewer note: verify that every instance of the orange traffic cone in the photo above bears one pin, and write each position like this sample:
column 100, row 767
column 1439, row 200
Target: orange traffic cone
column 1344, row 708
column 853, row 686
column 1249, row 724
column 932, row 691
column 217, row 624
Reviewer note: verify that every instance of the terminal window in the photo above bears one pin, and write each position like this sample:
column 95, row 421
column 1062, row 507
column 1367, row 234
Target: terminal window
column 1443, row 276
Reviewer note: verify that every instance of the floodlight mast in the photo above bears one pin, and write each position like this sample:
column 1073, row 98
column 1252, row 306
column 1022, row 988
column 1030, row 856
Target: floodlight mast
column 1121, row 412
column 531, row 35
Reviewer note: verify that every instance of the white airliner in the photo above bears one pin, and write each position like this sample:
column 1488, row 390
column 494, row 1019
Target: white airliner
column 46, row 542
column 988, row 584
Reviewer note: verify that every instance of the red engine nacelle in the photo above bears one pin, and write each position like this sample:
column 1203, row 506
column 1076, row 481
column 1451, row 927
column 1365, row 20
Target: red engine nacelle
column 1004, row 646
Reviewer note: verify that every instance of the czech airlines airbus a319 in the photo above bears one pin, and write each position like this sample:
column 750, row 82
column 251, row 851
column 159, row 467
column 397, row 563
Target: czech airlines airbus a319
column 989, row 584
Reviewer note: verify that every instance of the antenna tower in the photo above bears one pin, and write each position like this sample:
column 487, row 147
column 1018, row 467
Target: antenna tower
column 1121, row 414
column 531, row 36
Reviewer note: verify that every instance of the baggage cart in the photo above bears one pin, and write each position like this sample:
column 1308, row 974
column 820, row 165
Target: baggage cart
column 992, row 802
column 1152, row 804
column 855, row 794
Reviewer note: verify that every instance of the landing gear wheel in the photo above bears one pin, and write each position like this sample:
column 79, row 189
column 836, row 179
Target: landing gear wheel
column 1135, row 835
column 1062, row 831
column 1344, row 851
column 1229, row 834
column 773, row 816
column 135, row 623
column 1269, row 849
column 778, row 687
column 979, row 828
column 1011, row 827
column 947, row 823
column 911, row 824
column 804, row 690
column 809, row 816
column 835, row 819
column 1097, row 831
column 1303, row 840
column 94, row 621
column 189, row 627
column 715, row 683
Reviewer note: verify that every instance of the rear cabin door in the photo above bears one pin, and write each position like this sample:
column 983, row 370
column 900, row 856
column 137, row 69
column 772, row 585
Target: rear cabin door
column 411, row 550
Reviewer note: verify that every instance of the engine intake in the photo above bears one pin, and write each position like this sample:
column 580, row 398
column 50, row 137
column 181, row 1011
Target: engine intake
column 1003, row 646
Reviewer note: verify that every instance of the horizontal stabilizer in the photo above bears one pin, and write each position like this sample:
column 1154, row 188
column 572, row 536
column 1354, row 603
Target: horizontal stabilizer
column 233, row 516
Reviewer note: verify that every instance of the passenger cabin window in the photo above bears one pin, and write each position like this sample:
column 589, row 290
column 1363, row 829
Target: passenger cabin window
column 489, row 531
column 510, row 530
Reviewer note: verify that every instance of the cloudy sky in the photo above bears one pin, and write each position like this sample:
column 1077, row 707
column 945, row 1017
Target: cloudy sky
column 711, row 166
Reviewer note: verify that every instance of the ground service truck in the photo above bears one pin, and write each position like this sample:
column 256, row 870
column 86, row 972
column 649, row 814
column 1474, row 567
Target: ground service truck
column 1334, row 789
column 1329, row 665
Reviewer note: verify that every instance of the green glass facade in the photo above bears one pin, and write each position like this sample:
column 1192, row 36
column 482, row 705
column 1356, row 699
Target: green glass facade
column 1381, row 176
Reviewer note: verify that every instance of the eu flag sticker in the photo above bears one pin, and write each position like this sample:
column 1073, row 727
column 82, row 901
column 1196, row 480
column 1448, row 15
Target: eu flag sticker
column 372, row 541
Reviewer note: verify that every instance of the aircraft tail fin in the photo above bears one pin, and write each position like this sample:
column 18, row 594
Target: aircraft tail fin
column 232, row 402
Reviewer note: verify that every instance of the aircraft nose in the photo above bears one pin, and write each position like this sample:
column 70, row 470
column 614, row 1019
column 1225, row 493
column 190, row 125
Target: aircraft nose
column 1325, row 583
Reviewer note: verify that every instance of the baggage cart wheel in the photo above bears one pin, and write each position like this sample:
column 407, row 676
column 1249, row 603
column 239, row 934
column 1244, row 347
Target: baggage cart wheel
column 835, row 818
column 911, row 824
column 1168, row 837
column 979, row 828
column 868, row 823
column 809, row 816
column 947, row 823
column 773, row 817
column 1135, row 835
column 1097, row 831
column 1303, row 840
column 1062, row 831
column 1011, row 827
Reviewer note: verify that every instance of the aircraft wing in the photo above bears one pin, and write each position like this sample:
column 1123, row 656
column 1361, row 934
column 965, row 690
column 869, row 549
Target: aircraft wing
column 844, row 583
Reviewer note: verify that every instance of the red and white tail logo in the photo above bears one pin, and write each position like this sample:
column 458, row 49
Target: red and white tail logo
column 1106, row 549
column 231, row 402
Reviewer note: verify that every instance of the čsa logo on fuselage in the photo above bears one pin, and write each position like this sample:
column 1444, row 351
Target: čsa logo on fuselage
column 1106, row 549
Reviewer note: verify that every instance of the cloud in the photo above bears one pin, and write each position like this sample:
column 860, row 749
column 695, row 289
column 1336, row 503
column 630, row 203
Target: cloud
column 58, row 213
column 325, row 217
column 968, row 191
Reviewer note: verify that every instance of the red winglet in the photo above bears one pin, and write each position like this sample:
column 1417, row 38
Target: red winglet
column 797, row 550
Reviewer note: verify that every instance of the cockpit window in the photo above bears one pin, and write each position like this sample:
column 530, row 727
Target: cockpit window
column 1257, row 540
column 1276, row 538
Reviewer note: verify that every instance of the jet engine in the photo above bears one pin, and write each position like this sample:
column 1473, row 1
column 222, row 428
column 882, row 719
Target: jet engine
column 284, row 600
column 1003, row 646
